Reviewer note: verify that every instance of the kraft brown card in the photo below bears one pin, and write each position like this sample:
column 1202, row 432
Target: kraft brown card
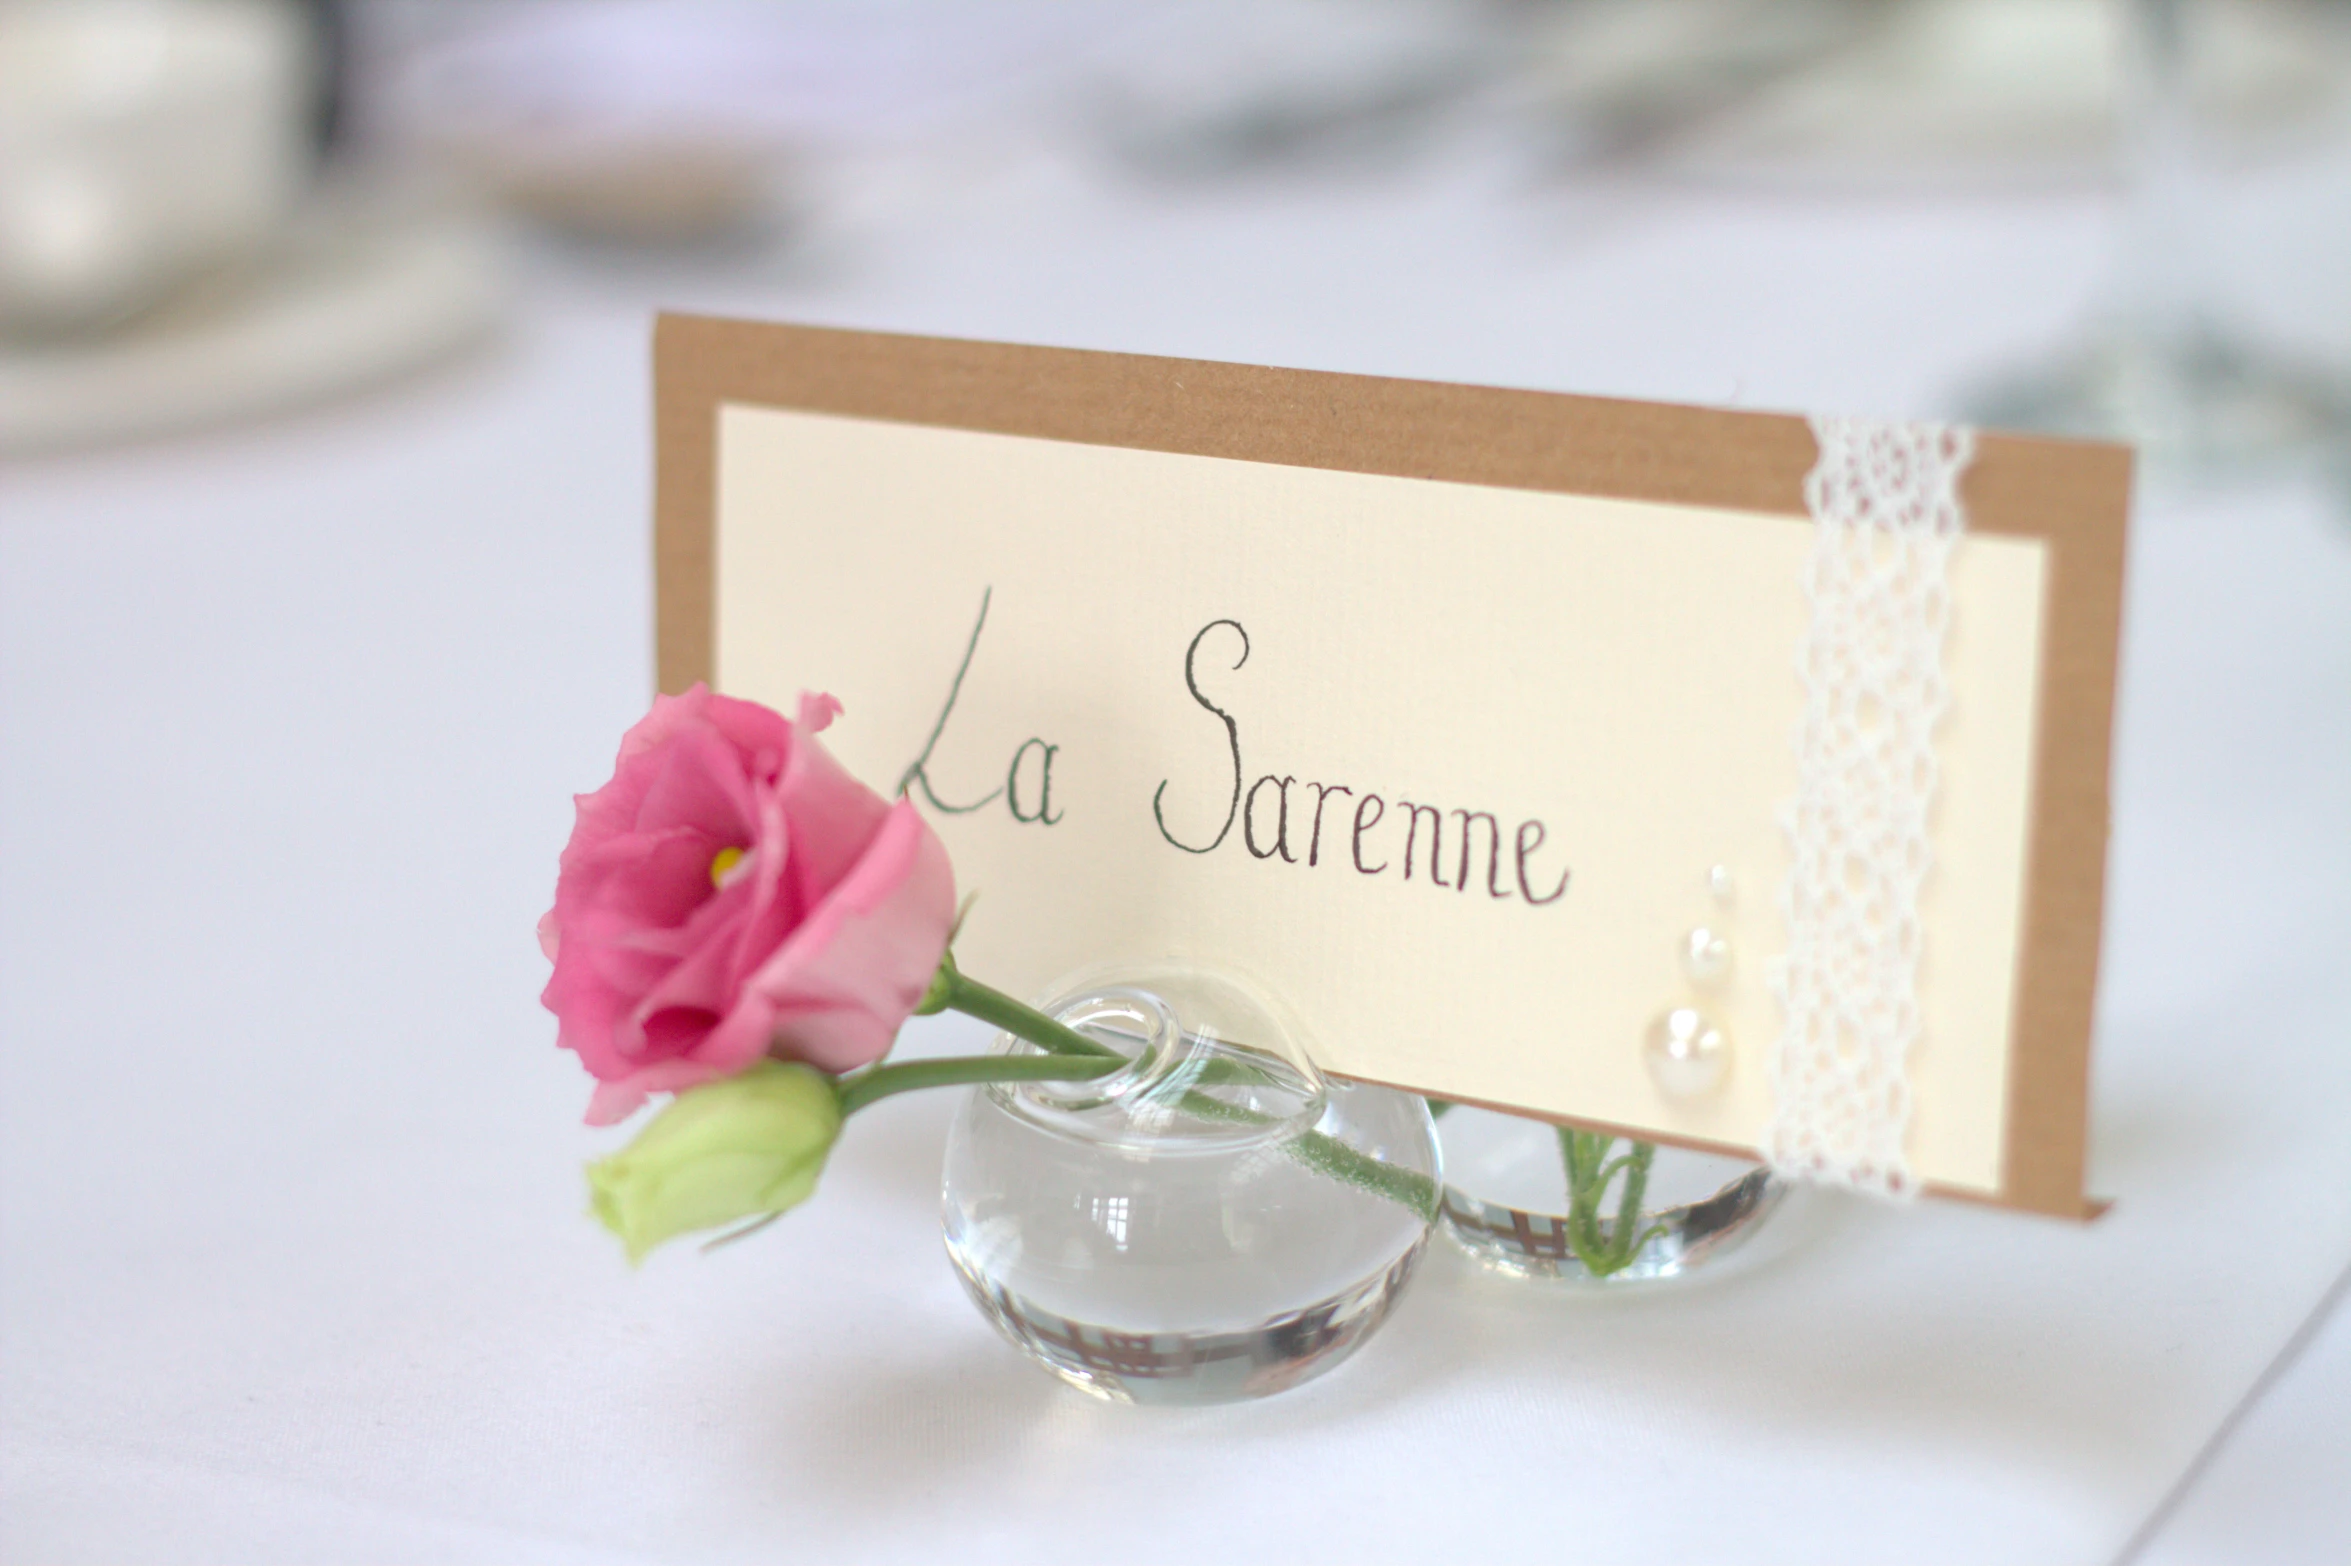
column 1444, row 712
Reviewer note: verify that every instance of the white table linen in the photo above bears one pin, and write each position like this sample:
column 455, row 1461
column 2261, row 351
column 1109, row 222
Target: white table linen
column 292, row 1260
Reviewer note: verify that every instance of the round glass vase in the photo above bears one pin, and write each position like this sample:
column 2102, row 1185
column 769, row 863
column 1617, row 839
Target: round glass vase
column 1538, row 1201
column 1214, row 1220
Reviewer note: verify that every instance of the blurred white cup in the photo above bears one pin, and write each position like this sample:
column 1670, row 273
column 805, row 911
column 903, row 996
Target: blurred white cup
column 142, row 143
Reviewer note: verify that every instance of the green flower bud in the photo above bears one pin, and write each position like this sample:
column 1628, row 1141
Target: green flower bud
column 742, row 1147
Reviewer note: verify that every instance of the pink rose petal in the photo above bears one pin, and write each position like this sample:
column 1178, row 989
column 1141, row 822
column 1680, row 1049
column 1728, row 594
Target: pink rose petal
column 815, row 945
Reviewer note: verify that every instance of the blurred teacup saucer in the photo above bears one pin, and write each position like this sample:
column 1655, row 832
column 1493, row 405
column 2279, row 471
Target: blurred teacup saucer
column 367, row 283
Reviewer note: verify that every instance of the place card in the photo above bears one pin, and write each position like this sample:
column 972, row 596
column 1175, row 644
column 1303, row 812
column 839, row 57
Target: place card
column 1445, row 713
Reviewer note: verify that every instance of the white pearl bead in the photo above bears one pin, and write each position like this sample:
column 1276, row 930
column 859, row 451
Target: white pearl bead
column 1687, row 1054
column 1706, row 958
column 1719, row 882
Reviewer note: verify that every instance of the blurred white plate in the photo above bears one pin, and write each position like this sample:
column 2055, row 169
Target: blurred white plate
column 365, row 286
column 1838, row 92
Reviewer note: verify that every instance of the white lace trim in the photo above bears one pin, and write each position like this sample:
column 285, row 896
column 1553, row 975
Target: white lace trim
column 1884, row 500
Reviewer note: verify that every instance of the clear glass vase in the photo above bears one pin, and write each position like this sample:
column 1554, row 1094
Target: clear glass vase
column 1215, row 1220
column 1534, row 1200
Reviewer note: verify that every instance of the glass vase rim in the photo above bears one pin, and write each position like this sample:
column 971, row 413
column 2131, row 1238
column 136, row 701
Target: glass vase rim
column 1138, row 1105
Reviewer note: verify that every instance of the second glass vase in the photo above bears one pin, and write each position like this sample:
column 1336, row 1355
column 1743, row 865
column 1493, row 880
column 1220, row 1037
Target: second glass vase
column 1534, row 1200
column 1214, row 1220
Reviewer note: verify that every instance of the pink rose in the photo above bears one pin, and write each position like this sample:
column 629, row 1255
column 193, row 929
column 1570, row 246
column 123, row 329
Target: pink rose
column 732, row 894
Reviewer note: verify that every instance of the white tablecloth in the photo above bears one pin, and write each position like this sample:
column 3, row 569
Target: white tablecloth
column 292, row 1261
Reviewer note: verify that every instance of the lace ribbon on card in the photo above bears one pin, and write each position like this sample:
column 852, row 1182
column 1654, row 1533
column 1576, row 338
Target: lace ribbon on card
column 1885, row 503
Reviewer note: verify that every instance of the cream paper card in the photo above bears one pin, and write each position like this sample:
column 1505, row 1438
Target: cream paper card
column 1443, row 762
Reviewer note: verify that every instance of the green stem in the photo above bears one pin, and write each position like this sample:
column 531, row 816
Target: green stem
column 1629, row 1236
column 1604, row 1248
column 957, row 1070
column 1591, row 1181
column 951, row 990
column 1328, row 1155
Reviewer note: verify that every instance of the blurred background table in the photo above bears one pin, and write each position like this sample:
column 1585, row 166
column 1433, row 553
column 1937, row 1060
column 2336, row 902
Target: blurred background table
column 292, row 1265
